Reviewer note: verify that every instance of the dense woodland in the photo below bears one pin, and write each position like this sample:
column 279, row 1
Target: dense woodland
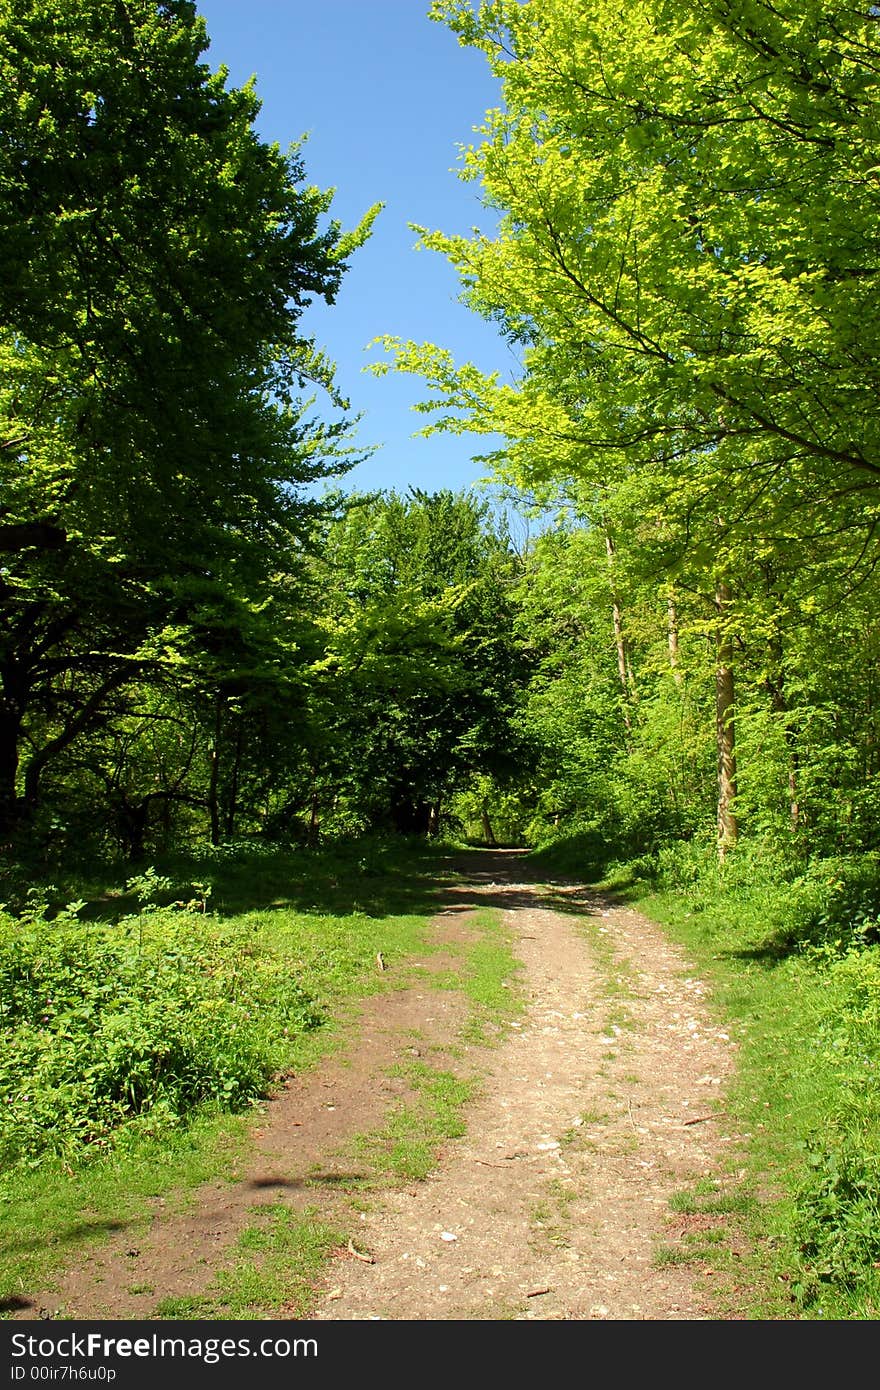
column 674, row 664
column 194, row 644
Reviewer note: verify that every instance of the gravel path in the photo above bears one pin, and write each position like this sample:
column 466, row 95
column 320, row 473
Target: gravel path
column 598, row 1104
column 597, row 1107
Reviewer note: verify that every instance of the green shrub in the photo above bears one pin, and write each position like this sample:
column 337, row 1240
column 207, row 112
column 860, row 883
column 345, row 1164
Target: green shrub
column 838, row 1201
column 837, row 1223
column 106, row 1026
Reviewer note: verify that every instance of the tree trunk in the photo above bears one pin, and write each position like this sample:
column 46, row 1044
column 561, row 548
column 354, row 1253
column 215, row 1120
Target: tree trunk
column 10, row 732
column 619, row 637
column 313, row 816
column 725, row 728
column 133, row 828
column 71, row 731
column 779, row 705
column 672, row 638
column 488, row 832
column 214, row 782
column 232, row 799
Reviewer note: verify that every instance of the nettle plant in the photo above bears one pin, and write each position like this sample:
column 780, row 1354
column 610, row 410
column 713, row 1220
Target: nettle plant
column 114, row 1029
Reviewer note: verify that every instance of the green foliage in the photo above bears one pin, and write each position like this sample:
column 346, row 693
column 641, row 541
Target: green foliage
column 837, row 1203
column 838, row 1218
column 422, row 675
column 137, row 1023
column 157, row 257
column 682, row 262
column 796, row 969
column 684, row 256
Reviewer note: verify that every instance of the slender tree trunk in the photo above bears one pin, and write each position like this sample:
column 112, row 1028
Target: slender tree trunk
column 313, row 815
column 10, row 732
column 232, row 801
column 672, row 638
column 488, row 832
column 623, row 669
column 134, row 829
column 779, row 705
column 214, row 781
column 793, row 799
column 725, row 728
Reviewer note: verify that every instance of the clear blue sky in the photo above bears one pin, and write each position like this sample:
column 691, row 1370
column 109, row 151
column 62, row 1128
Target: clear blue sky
column 387, row 97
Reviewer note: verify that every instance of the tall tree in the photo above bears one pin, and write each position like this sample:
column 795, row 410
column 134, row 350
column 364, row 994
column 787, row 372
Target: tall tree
column 155, row 258
column 688, row 243
column 686, row 258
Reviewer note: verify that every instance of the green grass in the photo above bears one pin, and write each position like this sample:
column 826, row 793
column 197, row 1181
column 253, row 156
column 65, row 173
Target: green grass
column 803, row 1112
column 666, row 1256
column 708, row 1198
column 49, row 1216
column 792, row 952
column 406, row 1146
column 490, row 979
column 275, row 1264
column 321, row 921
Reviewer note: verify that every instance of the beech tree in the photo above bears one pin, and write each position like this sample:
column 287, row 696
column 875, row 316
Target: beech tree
column 689, row 201
column 686, row 261
column 155, row 258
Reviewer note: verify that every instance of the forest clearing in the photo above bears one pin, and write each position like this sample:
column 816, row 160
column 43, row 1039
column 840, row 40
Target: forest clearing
column 536, row 821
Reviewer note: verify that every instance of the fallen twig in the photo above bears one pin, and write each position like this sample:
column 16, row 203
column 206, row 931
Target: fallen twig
column 535, row 1293
column 359, row 1254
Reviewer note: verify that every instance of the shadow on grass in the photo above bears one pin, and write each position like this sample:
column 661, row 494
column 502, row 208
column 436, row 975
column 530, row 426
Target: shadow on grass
column 65, row 1235
column 774, row 950
column 380, row 878
column 15, row 1304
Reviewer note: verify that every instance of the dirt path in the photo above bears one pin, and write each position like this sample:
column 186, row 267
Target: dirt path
column 593, row 1109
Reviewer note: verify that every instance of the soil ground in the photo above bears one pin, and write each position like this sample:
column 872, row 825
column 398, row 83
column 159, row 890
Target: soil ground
column 597, row 1104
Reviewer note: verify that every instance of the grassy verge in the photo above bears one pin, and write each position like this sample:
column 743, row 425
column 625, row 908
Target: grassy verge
column 276, row 1261
column 285, row 942
column 289, row 1251
column 139, row 1034
column 796, row 975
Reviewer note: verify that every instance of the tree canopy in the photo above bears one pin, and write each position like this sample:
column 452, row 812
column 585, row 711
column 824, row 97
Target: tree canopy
column 685, row 260
column 686, row 253
column 156, row 258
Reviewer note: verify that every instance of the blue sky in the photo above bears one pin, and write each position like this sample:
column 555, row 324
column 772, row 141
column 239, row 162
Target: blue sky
column 386, row 96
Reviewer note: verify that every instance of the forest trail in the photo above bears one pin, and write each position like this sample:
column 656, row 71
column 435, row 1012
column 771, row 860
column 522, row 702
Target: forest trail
column 597, row 1104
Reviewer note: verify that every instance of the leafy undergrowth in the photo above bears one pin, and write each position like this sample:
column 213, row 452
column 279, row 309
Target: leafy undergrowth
column 142, row 1025
column 135, row 1025
column 145, row 1023
column 795, row 963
